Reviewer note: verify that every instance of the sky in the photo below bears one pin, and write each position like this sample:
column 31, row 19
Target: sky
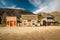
column 34, row 6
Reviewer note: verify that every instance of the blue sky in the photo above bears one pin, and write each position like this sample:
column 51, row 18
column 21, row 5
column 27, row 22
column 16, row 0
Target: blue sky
column 18, row 4
column 34, row 6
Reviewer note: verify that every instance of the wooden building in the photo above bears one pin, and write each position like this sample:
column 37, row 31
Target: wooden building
column 29, row 20
column 48, row 21
column 11, row 21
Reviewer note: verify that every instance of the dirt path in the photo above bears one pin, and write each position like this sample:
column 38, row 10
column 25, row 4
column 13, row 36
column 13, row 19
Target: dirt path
column 29, row 33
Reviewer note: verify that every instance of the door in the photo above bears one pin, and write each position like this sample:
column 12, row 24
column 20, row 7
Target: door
column 11, row 23
column 44, row 23
column 29, row 24
column 0, row 20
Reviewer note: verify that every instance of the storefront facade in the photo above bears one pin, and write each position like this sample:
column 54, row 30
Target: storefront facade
column 11, row 21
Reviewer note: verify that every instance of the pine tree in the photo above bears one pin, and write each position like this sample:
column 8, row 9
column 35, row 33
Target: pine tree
column 4, row 18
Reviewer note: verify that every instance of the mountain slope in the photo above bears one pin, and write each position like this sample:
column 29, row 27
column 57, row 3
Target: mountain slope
column 13, row 12
column 56, row 14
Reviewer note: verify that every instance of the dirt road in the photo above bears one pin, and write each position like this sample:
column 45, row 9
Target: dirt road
column 30, row 33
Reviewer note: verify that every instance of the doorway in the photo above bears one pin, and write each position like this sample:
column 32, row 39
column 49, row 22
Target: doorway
column 11, row 23
column 29, row 23
column 0, row 20
column 44, row 23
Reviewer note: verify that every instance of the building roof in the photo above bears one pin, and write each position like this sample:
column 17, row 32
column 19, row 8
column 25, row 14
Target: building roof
column 49, row 20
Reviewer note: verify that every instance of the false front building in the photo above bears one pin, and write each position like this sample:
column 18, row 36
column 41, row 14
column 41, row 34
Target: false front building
column 11, row 21
column 25, row 21
column 29, row 20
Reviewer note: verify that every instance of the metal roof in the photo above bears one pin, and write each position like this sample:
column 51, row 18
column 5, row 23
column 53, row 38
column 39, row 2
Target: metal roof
column 49, row 20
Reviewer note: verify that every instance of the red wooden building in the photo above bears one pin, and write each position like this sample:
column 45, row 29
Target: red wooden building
column 11, row 21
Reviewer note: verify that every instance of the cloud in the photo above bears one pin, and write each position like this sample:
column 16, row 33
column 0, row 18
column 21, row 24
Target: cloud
column 14, row 7
column 10, row 7
column 39, row 10
column 3, row 2
column 46, row 6
column 35, row 2
column 6, row 5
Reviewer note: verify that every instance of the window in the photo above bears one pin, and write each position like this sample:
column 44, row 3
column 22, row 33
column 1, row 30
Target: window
column 33, row 23
column 38, row 21
column 29, row 20
column 25, row 22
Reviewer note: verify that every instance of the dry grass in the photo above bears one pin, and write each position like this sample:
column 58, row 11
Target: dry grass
column 30, row 33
